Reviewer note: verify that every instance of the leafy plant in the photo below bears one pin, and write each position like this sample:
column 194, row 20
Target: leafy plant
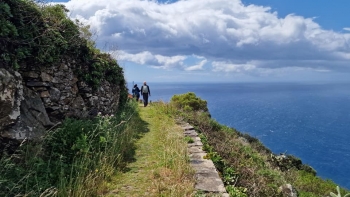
column 236, row 191
column 188, row 139
column 339, row 194
column 230, row 176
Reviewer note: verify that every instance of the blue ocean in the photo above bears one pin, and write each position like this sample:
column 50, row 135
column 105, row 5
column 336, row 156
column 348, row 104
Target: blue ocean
column 308, row 120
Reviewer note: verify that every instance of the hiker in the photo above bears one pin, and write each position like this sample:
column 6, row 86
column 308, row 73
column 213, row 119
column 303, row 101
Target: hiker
column 136, row 92
column 145, row 92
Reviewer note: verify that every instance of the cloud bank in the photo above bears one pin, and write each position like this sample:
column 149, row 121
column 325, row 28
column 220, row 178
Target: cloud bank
column 213, row 35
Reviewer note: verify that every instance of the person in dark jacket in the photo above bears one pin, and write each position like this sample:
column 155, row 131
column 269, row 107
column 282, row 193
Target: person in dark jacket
column 136, row 92
column 145, row 92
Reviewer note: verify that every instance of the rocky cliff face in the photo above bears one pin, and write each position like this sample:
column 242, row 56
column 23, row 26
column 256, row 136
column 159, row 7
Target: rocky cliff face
column 35, row 99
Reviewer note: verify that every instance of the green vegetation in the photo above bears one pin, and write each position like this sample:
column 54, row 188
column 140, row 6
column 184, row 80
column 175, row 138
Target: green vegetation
column 189, row 102
column 72, row 160
column 247, row 167
column 161, row 166
column 33, row 36
column 188, row 139
column 81, row 157
column 339, row 194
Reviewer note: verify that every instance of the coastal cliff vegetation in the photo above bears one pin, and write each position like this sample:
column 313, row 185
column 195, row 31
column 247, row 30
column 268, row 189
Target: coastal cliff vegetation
column 247, row 167
column 35, row 34
column 80, row 157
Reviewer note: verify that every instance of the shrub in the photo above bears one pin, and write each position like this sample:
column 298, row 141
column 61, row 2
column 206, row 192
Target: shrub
column 70, row 159
column 189, row 102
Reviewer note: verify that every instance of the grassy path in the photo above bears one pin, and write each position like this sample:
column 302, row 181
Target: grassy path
column 160, row 167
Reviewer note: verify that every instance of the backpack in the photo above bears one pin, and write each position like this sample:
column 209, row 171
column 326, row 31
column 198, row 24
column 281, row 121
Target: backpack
column 144, row 89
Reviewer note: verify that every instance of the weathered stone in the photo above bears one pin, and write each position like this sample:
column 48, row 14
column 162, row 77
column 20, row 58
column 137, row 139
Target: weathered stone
column 50, row 70
column 31, row 74
column 196, row 143
column 45, row 77
column 33, row 119
column 64, row 67
column 47, row 101
column 56, row 80
column 37, row 84
column 209, row 182
column 107, row 102
column 11, row 95
column 39, row 89
column 101, row 89
column 74, row 80
column 207, row 177
column 195, row 149
column 288, row 190
column 74, row 89
column 67, row 101
column 82, row 84
column 93, row 101
column 188, row 127
column 44, row 94
column 191, row 133
column 87, row 95
column 86, row 89
column 78, row 103
column 54, row 94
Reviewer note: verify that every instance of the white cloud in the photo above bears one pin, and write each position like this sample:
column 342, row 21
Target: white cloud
column 148, row 58
column 226, row 67
column 231, row 36
column 196, row 67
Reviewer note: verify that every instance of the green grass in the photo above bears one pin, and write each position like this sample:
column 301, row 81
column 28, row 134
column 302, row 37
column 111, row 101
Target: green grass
column 161, row 165
column 72, row 160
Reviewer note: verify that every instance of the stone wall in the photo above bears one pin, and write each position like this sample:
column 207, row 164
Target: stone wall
column 38, row 98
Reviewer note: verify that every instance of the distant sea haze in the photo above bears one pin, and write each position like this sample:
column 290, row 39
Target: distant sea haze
column 308, row 120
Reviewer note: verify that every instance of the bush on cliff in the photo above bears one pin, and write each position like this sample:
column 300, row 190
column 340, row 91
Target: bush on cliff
column 189, row 102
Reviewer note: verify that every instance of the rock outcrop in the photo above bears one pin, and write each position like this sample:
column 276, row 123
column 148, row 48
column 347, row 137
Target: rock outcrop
column 11, row 95
column 37, row 98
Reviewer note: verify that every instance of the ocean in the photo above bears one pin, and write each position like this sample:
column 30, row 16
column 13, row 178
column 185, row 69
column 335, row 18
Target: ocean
column 308, row 120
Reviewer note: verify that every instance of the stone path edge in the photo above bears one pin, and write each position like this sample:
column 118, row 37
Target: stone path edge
column 206, row 175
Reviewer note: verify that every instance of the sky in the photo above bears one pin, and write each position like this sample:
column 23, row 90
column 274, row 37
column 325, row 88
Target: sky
column 222, row 40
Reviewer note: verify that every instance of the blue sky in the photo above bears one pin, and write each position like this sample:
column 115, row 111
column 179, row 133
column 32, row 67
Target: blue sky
column 222, row 40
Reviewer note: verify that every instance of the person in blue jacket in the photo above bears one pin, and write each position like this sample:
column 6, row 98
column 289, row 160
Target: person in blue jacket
column 136, row 92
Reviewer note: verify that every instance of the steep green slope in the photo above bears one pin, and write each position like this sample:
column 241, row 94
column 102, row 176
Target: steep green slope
column 247, row 167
